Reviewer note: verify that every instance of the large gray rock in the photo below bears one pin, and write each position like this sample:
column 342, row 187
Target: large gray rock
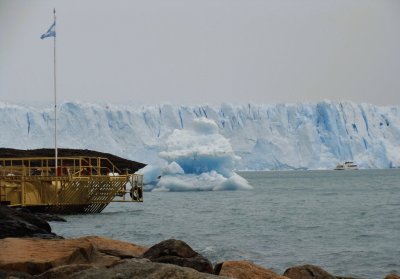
column 140, row 269
column 14, row 275
column 36, row 256
column 64, row 271
column 177, row 252
column 307, row 272
column 245, row 270
column 21, row 223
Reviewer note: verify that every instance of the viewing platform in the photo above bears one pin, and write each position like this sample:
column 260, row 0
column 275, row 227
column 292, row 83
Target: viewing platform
column 77, row 185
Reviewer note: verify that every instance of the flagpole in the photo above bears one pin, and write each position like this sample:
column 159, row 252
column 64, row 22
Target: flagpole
column 55, row 99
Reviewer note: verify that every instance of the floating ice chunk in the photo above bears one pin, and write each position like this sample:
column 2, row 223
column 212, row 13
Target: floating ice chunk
column 178, row 183
column 205, row 126
column 235, row 182
column 207, row 181
column 200, row 159
column 172, row 168
column 200, row 150
column 151, row 174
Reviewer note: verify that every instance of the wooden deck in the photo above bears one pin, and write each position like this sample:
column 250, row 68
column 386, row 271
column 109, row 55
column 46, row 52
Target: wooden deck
column 78, row 185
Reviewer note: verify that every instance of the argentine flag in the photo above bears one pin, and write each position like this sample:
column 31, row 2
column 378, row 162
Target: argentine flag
column 51, row 32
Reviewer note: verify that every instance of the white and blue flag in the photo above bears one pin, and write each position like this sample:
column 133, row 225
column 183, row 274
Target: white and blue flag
column 51, row 32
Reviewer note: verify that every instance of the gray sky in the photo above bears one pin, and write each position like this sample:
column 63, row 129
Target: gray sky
column 204, row 51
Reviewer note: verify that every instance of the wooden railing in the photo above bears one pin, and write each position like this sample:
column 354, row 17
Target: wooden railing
column 77, row 185
column 67, row 166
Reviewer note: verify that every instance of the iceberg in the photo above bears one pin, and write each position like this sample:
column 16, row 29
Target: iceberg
column 198, row 159
column 200, row 149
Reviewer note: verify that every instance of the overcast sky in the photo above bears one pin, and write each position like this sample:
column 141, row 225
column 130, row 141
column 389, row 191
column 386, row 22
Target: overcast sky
column 203, row 51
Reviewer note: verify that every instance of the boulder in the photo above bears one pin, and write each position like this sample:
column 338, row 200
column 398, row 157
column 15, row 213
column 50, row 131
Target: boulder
column 177, row 252
column 116, row 248
column 245, row 270
column 14, row 275
column 307, row 272
column 35, row 255
column 64, row 271
column 392, row 276
column 22, row 223
column 140, row 269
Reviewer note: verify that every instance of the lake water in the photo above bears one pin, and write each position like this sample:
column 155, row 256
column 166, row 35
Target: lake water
column 347, row 222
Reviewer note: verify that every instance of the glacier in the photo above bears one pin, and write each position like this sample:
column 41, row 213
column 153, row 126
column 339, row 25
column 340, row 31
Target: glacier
column 265, row 137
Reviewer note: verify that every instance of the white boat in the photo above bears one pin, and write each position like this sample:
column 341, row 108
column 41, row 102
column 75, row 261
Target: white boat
column 347, row 166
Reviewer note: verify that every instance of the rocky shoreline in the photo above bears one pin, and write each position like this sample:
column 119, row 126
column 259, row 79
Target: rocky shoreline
column 29, row 249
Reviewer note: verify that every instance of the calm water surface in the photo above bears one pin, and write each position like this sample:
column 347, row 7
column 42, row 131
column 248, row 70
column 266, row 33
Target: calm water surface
column 347, row 222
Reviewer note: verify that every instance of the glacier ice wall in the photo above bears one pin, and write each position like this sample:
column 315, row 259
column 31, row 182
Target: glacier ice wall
column 282, row 136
